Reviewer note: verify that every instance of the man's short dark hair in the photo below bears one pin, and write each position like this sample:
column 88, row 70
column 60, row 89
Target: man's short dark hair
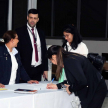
column 33, row 11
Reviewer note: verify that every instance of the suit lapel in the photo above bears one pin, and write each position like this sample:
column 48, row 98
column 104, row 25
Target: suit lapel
column 27, row 37
column 40, row 36
column 8, row 61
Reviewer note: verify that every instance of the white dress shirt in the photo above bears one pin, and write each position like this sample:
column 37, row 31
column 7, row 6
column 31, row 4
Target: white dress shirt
column 33, row 62
column 81, row 49
column 14, row 65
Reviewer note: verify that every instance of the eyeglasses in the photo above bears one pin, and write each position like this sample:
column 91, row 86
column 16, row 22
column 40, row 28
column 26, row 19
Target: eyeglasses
column 66, row 36
column 16, row 38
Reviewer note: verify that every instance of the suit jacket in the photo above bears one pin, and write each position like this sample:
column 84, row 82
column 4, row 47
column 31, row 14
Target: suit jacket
column 82, row 77
column 6, row 65
column 25, row 48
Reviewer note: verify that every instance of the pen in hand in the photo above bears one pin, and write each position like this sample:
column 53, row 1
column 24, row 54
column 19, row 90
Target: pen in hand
column 52, row 80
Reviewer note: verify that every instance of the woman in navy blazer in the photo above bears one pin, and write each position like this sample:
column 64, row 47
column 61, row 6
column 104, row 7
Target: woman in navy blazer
column 82, row 77
column 11, row 69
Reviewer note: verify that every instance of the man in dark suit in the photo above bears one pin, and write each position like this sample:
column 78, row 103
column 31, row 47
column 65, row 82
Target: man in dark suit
column 32, row 47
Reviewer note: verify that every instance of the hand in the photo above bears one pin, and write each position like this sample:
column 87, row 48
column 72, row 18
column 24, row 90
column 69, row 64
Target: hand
column 2, row 86
column 51, row 86
column 45, row 74
column 32, row 81
column 67, row 89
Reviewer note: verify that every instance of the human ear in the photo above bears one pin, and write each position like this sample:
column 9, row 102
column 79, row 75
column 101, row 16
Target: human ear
column 38, row 20
column 27, row 17
column 12, row 40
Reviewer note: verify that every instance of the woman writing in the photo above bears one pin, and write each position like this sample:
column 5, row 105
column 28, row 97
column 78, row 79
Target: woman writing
column 11, row 69
column 83, row 79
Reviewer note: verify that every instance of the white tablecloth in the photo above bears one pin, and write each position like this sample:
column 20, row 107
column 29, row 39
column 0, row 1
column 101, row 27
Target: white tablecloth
column 44, row 98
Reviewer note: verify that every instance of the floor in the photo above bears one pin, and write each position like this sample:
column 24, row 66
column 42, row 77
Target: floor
column 105, row 104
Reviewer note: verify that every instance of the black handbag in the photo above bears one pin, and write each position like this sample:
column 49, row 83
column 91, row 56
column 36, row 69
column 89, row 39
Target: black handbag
column 96, row 60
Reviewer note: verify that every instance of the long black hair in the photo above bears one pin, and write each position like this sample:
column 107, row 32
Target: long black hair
column 56, row 50
column 76, row 36
column 60, row 54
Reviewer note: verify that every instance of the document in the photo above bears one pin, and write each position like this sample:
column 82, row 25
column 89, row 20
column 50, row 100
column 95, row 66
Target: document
column 25, row 91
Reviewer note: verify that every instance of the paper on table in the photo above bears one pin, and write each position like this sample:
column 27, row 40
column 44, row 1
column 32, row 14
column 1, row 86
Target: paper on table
column 19, row 86
column 3, row 89
column 40, row 86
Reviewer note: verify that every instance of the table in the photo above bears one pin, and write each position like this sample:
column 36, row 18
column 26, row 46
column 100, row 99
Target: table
column 44, row 98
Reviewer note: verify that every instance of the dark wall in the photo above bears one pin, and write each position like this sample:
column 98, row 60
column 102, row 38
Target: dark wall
column 93, row 18
column 3, row 16
column 54, row 14
column 44, row 8
column 19, row 13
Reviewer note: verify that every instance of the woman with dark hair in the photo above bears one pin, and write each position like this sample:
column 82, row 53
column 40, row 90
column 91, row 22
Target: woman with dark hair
column 11, row 69
column 73, row 40
column 83, row 79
